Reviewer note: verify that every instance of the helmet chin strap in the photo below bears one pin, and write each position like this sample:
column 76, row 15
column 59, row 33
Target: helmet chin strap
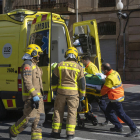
column 36, row 59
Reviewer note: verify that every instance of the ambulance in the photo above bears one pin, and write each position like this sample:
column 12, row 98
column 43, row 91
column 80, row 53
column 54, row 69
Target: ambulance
column 21, row 27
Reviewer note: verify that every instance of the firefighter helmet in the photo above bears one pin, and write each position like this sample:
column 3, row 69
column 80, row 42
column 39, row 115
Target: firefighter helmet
column 33, row 50
column 72, row 50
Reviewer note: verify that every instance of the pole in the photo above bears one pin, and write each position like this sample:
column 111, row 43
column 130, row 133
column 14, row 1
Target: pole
column 76, row 10
column 3, row 6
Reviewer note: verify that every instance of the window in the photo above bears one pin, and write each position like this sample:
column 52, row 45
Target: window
column 0, row 6
column 107, row 28
column 38, row 38
column 106, row 3
column 58, row 44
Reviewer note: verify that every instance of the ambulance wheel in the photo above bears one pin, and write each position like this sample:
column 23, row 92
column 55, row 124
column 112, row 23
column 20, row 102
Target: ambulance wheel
column 3, row 111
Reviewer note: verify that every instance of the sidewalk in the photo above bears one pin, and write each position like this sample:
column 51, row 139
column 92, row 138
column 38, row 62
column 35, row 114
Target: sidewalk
column 129, row 84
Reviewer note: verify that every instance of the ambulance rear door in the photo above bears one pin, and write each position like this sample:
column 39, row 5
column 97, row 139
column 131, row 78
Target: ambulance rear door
column 87, row 33
column 9, row 46
column 40, row 34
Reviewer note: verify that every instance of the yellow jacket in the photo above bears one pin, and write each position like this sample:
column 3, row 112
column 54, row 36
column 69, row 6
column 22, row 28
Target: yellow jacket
column 113, row 87
column 91, row 68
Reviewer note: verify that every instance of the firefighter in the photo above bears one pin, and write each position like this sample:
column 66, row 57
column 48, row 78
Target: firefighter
column 32, row 93
column 92, row 69
column 113, row 87
column 69, row 82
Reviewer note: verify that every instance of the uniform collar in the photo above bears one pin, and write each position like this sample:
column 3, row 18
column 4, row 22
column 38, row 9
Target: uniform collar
column 109, row 72
column 88, row 64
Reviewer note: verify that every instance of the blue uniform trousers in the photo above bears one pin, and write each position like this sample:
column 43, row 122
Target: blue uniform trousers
column 102, row 104
column 118, row 108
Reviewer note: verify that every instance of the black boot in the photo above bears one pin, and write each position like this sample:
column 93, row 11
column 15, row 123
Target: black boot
column 134, row 133
column 104, row 123
column 116, row 129
column 11, row 136
column 55, row 135
column 70, row 137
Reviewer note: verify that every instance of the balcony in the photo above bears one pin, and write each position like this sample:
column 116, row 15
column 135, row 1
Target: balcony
column 106, row 3
column 56, row 6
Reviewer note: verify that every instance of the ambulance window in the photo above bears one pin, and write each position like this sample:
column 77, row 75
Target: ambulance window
column 41, row 39
column 82, row 30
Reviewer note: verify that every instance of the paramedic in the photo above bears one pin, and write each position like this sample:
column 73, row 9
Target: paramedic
column 33, row 112
column 114, row 88
column 67, row 79
column 92, row 69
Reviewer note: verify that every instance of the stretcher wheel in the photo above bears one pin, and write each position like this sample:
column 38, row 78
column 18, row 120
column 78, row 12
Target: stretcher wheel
column 94, row 121
column 81, row 124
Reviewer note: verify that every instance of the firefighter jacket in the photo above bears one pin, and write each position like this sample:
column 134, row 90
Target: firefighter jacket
column 113, row 87
column 68, row 78
column 91, row 68
column 31, row 80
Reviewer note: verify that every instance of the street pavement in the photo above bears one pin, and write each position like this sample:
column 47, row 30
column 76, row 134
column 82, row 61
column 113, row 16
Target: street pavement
column 89, row 132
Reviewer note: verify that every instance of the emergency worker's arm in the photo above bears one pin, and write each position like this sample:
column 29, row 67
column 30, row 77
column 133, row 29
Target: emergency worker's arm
column 55, row 79
column 107, row 86
column 93, row 69
column 27, row 80
column 81, row 83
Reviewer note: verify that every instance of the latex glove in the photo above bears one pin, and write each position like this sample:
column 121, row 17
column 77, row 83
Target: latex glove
column 81, row 98
column 36, row 99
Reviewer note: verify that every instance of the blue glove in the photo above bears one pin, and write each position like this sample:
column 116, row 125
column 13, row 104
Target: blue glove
column 81, row 98
column 36, row 99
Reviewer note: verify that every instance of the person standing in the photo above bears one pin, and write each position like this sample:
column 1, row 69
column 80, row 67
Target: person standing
column 92, row 69
column 32, row 93
column 69, row 82
column 114, row 88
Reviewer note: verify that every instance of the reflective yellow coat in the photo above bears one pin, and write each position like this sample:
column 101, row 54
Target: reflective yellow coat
column 91, row 68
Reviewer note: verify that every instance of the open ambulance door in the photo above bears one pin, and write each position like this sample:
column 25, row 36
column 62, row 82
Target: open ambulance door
column 40, row 34
column 87, row 34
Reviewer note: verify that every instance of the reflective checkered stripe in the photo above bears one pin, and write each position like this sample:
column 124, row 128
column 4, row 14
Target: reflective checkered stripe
column 15, row 129
column 36, row 136
column 70, row 128
column 41, row 18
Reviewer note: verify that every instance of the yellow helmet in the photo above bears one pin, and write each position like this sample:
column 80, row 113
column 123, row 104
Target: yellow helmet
column 72, row 50
column 33, row 50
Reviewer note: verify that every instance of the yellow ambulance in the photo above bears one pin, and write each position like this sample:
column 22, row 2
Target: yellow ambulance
column 18, row 29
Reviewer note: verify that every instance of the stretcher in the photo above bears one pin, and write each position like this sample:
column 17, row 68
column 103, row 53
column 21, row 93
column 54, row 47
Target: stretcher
column 85, row 107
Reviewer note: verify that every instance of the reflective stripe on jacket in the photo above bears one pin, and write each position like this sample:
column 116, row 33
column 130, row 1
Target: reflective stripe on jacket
column 31, row 80
column 68, row 78
column 91, row 68
column 113, row 87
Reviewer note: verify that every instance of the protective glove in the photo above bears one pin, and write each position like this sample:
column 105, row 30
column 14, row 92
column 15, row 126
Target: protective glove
column 35, row 102
column 36, row 98
column 81, row 98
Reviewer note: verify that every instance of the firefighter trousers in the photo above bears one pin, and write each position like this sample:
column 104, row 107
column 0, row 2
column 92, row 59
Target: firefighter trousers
column 59, row 105
column 31, row 117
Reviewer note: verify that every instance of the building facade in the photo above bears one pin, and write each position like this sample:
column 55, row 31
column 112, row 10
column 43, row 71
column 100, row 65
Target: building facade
column 124, row 57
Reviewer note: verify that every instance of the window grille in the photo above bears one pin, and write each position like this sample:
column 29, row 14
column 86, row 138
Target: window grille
column 107, row 28
column 106, row 3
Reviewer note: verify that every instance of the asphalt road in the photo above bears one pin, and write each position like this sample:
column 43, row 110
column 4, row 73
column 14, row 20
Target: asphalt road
column 90, row 132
